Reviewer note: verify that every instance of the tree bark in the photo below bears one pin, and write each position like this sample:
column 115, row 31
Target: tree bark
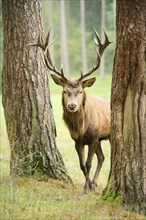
column 128, row 128
column 102, row 65
column 26, row 96
column 83, row 33
column 64, row 48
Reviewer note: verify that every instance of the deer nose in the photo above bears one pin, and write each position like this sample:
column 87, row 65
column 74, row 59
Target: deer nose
column 72, row 106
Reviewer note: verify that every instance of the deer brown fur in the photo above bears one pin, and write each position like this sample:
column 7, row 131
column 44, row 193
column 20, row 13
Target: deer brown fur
column 93, row 118
column 88, row 124
column 87, row 118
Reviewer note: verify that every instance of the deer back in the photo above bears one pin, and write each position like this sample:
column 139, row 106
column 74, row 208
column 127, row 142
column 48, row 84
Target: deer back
column 99, row 116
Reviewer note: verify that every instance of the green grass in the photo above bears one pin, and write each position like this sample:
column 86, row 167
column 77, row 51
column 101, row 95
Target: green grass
column 27, row 198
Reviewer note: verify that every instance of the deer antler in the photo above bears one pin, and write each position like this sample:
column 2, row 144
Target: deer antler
column 45, row 47
column 98, row 52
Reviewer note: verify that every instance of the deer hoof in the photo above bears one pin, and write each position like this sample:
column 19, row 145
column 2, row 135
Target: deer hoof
column 86, row 189
column 93, row 186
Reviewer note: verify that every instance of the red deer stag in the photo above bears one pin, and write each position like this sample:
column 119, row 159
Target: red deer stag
column 87, row 118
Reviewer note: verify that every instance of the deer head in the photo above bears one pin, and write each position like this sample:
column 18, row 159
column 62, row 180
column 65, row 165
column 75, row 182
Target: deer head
column 73, row 90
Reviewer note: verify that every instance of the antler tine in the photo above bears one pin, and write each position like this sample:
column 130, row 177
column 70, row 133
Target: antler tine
column 105, row 44
column 47, row 58
column 47, row 53
column 81, row 73
column 50, row 65
column 97, row 38
column 62, row 72
column 83, row 76
column 39, row 42
column 106, row 36
column 99, row 53
column 45, row 47
column 48, row 36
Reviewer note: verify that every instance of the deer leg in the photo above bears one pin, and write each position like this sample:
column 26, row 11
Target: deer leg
column 81, row 155
column 91, row 152
column 100, row 158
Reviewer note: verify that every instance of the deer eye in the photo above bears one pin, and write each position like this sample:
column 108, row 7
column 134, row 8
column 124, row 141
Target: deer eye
column 64, row 92
column 81, row 92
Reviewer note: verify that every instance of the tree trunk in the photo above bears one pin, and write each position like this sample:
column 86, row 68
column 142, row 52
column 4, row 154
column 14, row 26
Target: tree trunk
column 102, row 65
column 26, row 96
column 83, row 33
column 51, row 25
column 64, row 49
column 128, row 128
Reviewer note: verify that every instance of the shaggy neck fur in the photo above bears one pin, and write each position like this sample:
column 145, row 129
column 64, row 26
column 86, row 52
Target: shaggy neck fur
column 74, row 120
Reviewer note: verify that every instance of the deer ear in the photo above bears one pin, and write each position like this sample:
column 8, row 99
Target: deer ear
column 88, row 82
column 57, row 80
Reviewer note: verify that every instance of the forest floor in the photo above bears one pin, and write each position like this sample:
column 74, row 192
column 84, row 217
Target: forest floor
column 27, row 198
column 30, row 198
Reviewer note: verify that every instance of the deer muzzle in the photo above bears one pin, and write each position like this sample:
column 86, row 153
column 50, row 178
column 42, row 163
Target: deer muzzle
column 72, row 107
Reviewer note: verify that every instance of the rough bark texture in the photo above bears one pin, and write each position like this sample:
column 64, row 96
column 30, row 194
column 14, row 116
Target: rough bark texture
column 128, row 129
column 26, row 97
